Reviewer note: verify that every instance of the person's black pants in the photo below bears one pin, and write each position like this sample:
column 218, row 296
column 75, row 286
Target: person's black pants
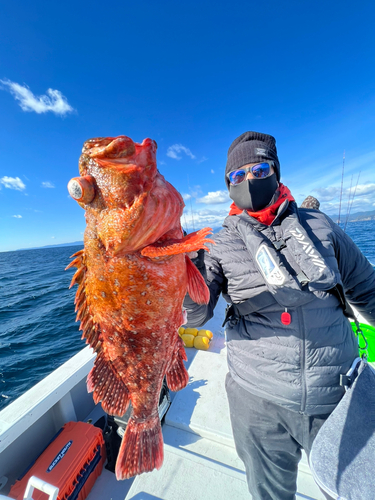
column 268, row 440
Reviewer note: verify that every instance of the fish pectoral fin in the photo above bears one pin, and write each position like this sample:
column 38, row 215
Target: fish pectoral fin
column 190, row 243
column 108, row 387
column 177, row 376
column 196, row 286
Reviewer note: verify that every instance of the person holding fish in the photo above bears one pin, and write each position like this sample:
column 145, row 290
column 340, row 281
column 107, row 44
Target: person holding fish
column 286, row 273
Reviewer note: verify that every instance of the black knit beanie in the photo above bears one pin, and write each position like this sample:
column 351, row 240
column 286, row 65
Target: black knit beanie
column 252, row 147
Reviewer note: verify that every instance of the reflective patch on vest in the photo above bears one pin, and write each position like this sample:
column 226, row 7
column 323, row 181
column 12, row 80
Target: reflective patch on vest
column 270, row 269
column 307, row 247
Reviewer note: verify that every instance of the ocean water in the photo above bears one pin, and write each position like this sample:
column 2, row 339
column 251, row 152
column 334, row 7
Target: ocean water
column 38, row 332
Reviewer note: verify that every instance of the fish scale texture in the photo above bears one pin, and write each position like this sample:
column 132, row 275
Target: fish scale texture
column 132, row 278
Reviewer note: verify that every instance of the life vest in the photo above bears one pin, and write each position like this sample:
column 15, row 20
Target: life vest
column 292, row 267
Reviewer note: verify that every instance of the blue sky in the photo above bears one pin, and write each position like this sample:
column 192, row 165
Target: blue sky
column 193, row 76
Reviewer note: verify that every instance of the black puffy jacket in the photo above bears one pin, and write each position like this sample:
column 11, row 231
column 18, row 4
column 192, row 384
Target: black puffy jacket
column 296, row 365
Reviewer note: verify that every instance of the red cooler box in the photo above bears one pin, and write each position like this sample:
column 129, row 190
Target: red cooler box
column 72, row 462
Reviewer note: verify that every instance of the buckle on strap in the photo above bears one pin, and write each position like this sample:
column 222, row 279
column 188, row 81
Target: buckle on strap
column 279, row 244
column 230, row 312
column 302, row 278
column 348, row 379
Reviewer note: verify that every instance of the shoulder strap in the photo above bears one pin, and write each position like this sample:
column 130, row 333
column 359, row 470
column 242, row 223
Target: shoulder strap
column 248, row 306
column 339, row 293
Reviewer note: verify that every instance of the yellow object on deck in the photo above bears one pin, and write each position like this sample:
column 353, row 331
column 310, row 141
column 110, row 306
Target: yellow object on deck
column 193, row 338
column 202, row 343
column 191, row 331
column 181, row 331
column 205, row 333
column 188, row 339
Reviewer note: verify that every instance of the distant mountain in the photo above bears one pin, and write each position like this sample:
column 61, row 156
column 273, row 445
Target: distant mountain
column 73, row 244
column 356, row 217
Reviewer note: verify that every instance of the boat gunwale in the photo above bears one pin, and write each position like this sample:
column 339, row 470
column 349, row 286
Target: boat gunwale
column 22, row 413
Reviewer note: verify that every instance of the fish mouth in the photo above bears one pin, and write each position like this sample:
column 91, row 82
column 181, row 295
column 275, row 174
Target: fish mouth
column 115, row 148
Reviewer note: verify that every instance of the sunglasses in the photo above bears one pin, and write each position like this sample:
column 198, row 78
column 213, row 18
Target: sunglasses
column 260, row 171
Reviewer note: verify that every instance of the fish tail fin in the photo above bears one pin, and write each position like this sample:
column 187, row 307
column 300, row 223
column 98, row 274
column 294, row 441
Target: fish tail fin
column 196, row 286
column 108, row 387
column 141, row 448
column 177, row 375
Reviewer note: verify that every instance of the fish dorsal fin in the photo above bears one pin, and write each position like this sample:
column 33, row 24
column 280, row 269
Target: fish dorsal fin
column 90, row 330
column 196, row 286
column 102, row 379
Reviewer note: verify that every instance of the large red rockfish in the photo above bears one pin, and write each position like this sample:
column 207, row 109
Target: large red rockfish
column 133, row 275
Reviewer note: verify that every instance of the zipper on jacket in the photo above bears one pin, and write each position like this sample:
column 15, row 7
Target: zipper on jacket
column 303, row 360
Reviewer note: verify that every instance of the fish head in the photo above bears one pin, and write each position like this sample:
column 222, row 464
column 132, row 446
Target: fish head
column 114, row 171
column 128, row 203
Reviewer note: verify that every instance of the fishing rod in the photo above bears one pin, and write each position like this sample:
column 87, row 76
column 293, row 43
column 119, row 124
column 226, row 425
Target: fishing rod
column 349, row 198
column 342, row 180
column 186, row 225
column 191, row 206
column 355, row 189
column 192, row 217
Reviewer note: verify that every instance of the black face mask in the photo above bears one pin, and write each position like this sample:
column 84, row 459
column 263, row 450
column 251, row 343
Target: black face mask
column 254, row 194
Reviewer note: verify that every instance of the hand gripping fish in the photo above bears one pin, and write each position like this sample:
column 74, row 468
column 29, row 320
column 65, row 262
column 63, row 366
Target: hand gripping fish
column 132, row 277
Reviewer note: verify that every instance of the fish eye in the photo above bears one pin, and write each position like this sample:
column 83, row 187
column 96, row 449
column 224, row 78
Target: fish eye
column 82, row 189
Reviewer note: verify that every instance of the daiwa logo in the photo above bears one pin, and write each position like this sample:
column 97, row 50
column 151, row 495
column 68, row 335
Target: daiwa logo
column 308, row 248
column 59, row 456
column 261, row 151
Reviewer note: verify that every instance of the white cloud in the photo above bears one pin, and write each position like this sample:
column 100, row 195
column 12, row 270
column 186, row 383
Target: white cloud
column 214, row 197
column 202, row 159
column 328, row 172
column 203, row 218
column 363, row 189
column 186, row 196
column 362, row 204
column 332, row 193
column 47, row 184
column 327, row 194
column 17, row 216
column 212, row 171
column 53, row 100
column 12, row 183
column 195, row 191
column 173, row 152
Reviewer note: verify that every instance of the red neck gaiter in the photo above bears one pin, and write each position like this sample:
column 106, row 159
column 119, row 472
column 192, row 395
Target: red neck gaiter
column 266, row 215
